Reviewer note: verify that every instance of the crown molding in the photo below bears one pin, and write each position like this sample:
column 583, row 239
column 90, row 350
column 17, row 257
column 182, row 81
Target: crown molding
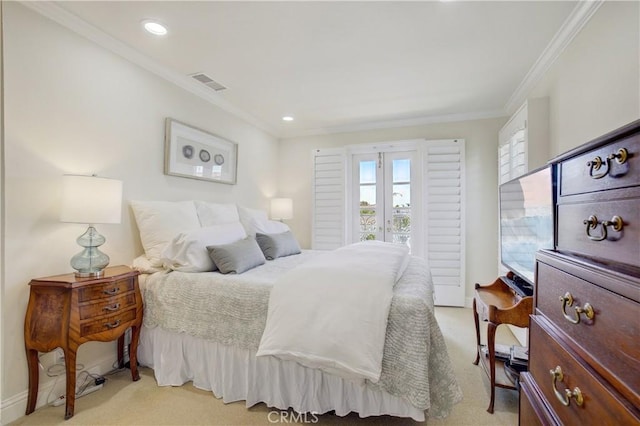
column 578, row 18
column 580, row 15
column 92, row 33
column 401, row 122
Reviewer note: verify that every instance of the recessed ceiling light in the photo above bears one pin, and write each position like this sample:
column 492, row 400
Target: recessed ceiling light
column 287, row 118
column 154, row 27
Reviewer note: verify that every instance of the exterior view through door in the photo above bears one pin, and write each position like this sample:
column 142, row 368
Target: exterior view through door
column 384, row 193
column 408, row 192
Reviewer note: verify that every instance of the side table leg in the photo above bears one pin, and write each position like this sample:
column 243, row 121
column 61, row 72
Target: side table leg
column 70, row 364
column 32, row 363
column 133, row 352
column 491, row 343
column 475, row 317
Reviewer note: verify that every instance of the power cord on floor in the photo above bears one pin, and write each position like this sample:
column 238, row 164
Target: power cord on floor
column 83, row 378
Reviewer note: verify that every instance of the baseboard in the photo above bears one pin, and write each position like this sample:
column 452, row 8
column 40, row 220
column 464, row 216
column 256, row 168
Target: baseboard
column 13, row 408
column 468, row 302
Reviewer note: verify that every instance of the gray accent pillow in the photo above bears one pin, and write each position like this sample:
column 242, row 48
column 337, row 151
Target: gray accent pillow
column 237, row 257
column 277, row 245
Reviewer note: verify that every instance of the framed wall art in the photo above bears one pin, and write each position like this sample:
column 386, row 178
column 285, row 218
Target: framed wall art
column 194, row 153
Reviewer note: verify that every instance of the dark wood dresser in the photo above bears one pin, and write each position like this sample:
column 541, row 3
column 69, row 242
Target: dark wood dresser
column 584, row 359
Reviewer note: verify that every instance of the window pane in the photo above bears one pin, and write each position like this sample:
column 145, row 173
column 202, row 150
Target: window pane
column 368, row 195
column 367, row 172
column 402, row 170
column 368, row 224
column 402, row 225
column 402, row 195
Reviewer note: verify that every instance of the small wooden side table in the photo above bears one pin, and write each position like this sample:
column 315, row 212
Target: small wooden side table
column 65, row 311
column 498, row 304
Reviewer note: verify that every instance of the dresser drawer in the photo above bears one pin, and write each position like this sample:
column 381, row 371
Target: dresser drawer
column 611, row 337
column 100, row 291
column 599, row 402
column 111, row 305
column 111, row 323
column 532, row 408
column 621, row 246
column 576, row 173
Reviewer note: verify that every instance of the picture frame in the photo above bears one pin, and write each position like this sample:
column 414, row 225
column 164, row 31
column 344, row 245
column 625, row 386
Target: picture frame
column 197, row 154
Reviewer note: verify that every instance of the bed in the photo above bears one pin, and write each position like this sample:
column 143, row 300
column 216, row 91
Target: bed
column 206, row 327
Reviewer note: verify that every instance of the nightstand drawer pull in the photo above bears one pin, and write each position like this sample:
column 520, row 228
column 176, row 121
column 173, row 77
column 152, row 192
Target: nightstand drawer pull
column 112, row 308
column 112, row 324
column 112, row 291
column 587, row 309
column 564, row 398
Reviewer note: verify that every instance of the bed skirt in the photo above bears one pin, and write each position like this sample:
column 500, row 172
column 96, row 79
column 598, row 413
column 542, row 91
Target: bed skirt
column 235, row 374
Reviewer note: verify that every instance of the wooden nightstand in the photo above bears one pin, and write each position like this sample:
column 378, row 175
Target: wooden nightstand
column 65, row 311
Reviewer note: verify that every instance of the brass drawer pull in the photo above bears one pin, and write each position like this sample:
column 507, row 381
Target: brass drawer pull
column 111, row 325
column 564, row 398
column 620, row 156
column 112, row 291
column 616, row 223
column 587, row 309
column 112, row 308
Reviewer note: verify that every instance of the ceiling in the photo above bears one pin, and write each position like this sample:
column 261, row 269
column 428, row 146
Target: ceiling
column 340, row 66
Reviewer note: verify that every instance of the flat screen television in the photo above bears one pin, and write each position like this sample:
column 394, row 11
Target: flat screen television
column 526, row 223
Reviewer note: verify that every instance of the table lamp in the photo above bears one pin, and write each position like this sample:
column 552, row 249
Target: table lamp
column 90, row 200
column 281, row 208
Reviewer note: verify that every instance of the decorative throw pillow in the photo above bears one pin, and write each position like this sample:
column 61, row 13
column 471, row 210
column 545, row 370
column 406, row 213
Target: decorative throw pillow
column 216, row 214
column 237, row 257
column 187, row 252
column 160, row 221
column 277, row 245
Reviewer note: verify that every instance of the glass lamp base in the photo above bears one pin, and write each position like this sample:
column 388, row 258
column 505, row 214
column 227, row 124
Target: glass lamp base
column 90, row 262
column 97, row 274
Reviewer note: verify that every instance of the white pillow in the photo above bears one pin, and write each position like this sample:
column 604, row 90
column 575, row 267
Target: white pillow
column 257, row 221
column 142, row 265
column 187, row 252
column 160, row 221
column 216, row 214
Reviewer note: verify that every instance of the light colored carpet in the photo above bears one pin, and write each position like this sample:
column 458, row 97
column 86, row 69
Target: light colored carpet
column 123, row 402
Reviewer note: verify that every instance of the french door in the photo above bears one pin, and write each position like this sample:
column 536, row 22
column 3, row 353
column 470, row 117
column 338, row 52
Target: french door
column 410, row 192
column 384, row 186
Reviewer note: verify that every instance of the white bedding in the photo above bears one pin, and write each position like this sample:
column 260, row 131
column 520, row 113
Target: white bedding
column 331, row 312
column 191, row 320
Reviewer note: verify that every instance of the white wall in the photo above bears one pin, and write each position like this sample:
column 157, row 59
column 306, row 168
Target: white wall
column 594, row 87
column 73, row 107
column 481, row 138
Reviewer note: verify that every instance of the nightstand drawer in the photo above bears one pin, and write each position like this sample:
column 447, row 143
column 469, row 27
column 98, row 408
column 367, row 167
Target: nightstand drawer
column 111, row 323
column 100, row 291
column 107, row 306
column 570, row 375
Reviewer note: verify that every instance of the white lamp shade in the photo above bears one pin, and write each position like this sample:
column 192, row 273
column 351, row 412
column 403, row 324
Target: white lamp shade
column 281, row 208
column 91, row 199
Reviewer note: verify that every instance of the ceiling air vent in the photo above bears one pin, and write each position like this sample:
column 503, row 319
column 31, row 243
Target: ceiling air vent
column 208, row 81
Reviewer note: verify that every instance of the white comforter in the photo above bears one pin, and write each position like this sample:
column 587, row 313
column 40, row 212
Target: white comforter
column 331, row 312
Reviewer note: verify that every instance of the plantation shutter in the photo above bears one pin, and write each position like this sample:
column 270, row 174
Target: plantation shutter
column 443, row 169
column 328, row 197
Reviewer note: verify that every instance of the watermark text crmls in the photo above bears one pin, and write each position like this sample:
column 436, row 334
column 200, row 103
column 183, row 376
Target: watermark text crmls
column 292, row 417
